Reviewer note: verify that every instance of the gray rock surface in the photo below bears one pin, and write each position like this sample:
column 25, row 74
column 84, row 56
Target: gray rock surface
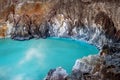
column 56, row 74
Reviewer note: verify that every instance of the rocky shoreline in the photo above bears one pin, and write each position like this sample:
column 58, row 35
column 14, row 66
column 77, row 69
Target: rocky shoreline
column 105, row 66
column 94, row 21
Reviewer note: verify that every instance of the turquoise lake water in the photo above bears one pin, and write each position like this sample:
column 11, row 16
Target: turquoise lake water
column 32, row 59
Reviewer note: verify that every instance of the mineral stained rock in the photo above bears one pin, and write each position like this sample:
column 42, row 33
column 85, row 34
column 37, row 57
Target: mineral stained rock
column 64, row 16
column 94, row 21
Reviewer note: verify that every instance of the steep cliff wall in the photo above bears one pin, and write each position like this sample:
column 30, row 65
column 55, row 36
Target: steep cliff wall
column 77, row 13
column 94, row 21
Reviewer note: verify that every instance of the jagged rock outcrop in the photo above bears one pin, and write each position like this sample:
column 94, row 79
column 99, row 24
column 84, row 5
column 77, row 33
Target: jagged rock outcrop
column 64, row 16
column 94, row 21
column 105, row 66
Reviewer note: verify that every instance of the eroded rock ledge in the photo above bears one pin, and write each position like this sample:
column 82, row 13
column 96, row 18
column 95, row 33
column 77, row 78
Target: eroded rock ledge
column 105, row 66
column 94, row 21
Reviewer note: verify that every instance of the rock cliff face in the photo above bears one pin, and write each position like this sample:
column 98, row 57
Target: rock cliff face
column 43, row 18
column 94, row 21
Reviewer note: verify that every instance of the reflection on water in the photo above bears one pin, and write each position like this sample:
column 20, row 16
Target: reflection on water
column 31, row 60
